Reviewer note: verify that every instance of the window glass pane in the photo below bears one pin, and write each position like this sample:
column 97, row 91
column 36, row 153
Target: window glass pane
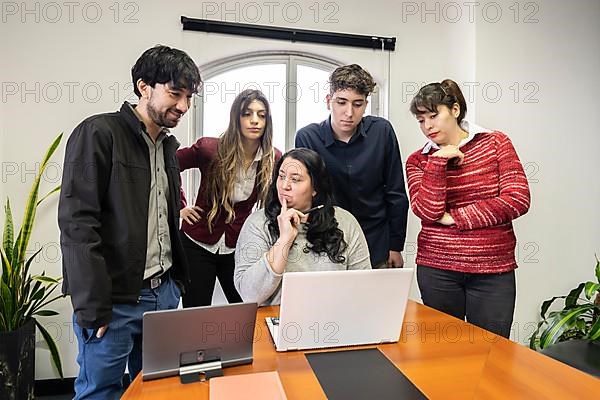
column 313, row 87
column 220, row 91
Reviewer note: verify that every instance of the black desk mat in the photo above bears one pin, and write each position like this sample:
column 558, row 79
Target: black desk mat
column 361, row 374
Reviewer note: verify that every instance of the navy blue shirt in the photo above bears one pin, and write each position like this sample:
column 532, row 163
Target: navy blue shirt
column 367, row 179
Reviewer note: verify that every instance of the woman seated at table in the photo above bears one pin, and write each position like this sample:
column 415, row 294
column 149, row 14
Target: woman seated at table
column 298, row 230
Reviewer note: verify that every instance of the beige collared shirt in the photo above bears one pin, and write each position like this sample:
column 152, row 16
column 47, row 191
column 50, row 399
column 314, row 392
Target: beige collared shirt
column 158, row 254
column 158, row 257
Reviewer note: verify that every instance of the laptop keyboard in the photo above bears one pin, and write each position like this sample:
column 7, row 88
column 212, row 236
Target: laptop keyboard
column 273, row 325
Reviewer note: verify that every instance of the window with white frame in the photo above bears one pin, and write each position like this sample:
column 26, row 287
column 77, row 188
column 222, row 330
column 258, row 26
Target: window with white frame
column 294, row 83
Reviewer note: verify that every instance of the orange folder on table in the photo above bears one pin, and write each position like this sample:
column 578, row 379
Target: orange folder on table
column 259, row 386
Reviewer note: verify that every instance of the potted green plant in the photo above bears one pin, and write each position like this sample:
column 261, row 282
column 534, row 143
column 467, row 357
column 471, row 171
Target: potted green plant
column 578, row 319
column 24, row 296
column 572, row 334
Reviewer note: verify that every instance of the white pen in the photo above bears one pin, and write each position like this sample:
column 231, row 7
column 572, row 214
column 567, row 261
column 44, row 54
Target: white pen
column 313, row 209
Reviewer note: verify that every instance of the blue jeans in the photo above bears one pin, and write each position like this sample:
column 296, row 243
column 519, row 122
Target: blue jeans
column 485, row 300
column 102, row 361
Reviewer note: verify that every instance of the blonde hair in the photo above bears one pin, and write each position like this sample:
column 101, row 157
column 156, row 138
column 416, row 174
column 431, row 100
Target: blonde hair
column 230, row 159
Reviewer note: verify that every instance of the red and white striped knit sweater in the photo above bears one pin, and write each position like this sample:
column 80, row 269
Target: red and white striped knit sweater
column 483, row 195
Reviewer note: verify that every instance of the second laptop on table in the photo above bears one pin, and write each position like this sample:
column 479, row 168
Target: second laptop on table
column 340, row 308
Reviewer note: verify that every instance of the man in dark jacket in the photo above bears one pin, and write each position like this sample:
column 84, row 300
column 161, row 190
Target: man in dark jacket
column 119, row 218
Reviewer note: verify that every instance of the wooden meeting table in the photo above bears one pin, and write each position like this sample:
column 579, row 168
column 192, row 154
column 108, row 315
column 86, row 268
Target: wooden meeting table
column 444, row 357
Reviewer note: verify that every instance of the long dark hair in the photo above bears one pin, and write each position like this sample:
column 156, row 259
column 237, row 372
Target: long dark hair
column 230, row 159
column 444, row 93
column 322, row 230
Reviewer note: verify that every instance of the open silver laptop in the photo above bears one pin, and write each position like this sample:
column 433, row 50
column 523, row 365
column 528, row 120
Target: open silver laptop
column 198, row 340
column 340, row 308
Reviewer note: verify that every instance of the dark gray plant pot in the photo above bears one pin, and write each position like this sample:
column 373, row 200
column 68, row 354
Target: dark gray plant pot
column 17, row 363
column 578, row 353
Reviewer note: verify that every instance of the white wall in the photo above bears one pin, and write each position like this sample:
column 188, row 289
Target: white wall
column 559, row 59
column 558, row 55
column 2, row 119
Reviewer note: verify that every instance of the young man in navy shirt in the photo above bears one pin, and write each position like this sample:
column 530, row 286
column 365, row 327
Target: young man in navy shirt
column 363, row 157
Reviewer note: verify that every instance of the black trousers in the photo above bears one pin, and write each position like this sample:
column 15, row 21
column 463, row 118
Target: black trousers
column 485, row 300
column 205, row 267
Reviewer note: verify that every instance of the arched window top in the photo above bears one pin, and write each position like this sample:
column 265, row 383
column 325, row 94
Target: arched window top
column 220, row 66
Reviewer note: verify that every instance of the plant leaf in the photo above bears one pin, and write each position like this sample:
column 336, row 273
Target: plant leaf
column 56, row 189
column 7, row 297
column 45, row 279
column 573, row 296
column 7, row 269
column 534, row 341
column 35, row 287
column 3, row 324
column 45, row 303
column 17, row 319
column 25, row 271
column 594, row 332
column 598, row 269
column 13, row 260
column 9, row 232
column 38, row 294
column 561, row 321
column 580, row 325
column 27, row 225
column 31, row 205
column 590, row 289
column 51, row 151
column 546, row 304
column 53, row 348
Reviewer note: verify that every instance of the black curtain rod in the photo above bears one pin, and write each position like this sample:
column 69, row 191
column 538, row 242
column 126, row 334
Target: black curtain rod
column 294, row 35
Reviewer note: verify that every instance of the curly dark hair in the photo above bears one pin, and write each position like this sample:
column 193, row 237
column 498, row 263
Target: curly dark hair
column 322, row 230
column 445, row 93
column 162, row 64
column 351, row 77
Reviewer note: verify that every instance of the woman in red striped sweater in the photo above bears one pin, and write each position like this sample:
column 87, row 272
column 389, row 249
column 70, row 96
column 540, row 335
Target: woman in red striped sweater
column 466, row 185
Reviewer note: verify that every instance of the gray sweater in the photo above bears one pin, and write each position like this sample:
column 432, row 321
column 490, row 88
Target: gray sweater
column 254, row 278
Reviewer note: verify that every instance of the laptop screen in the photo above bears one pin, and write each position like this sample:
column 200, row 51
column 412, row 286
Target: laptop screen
column 175, row 338
column 342, row 308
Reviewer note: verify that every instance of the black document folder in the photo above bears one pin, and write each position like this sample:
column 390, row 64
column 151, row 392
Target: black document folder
column 361, row 374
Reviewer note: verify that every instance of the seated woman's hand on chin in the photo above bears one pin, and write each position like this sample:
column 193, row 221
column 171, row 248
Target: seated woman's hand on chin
column 299, row 229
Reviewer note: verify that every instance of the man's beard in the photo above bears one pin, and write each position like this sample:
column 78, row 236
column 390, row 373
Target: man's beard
column 161, row 119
